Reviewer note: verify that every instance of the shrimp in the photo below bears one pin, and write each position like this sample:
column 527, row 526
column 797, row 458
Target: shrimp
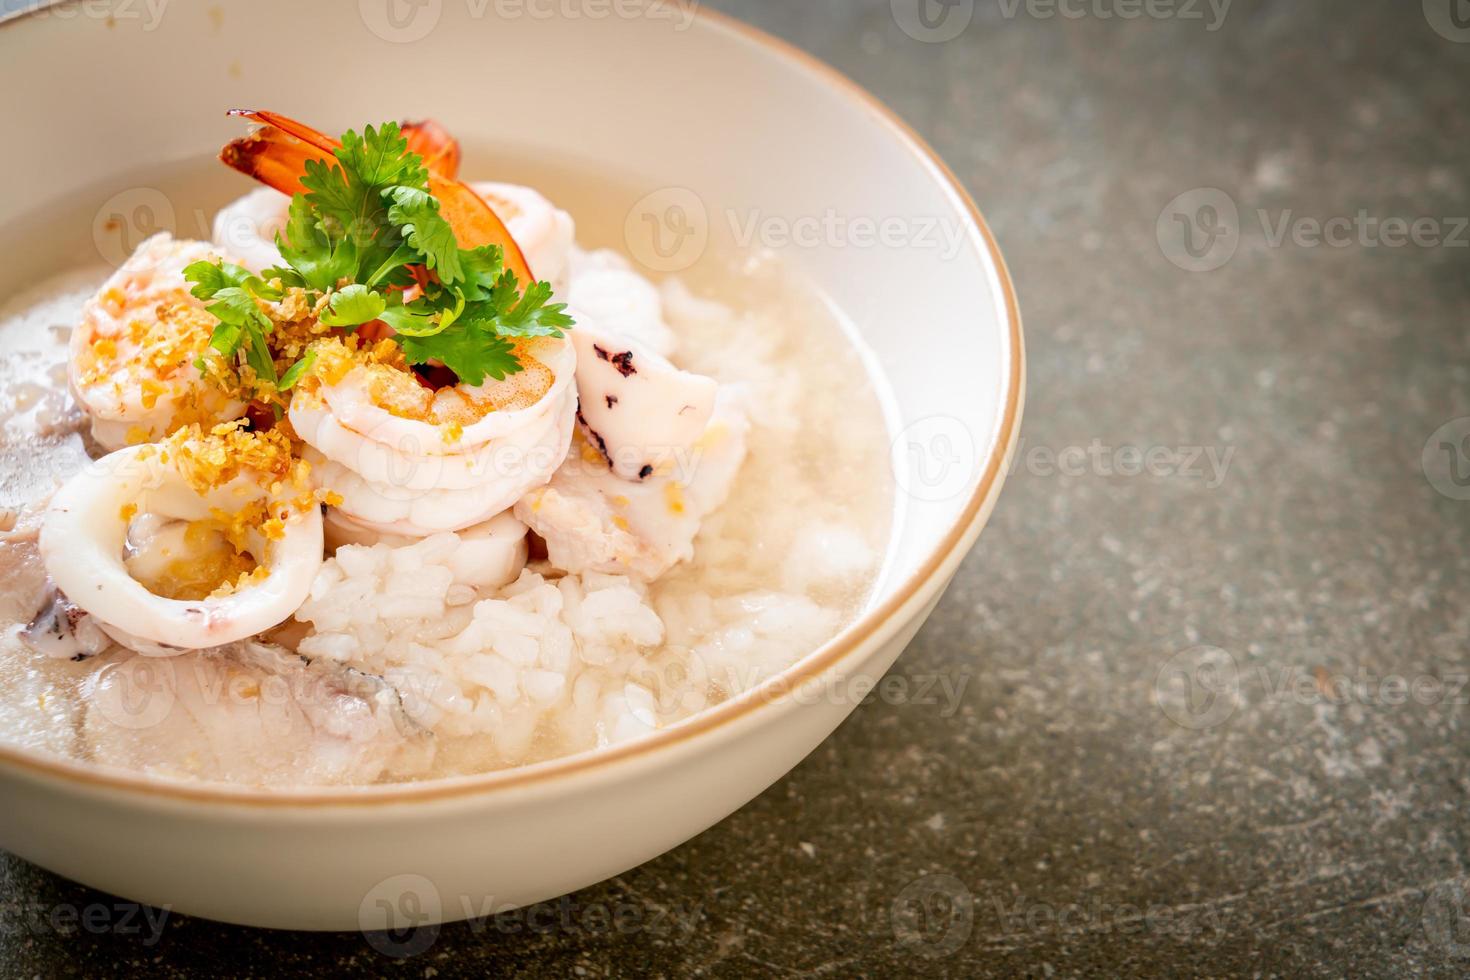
column 544, row 232
column 595, row 521
column 410, row 461
column 187, row 544
column 247, row 227
column 133, row 356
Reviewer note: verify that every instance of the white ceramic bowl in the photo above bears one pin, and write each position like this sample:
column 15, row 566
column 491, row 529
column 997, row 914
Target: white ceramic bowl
column 704, row 114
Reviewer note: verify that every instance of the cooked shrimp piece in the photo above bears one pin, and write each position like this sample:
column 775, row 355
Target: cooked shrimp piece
column 247, row 228
column 409, row 460
column 251, row 713
column 595, row 521
column 543, row 231
column 490, row 555
column 133, row 356
column 507, row 470
column 638, row 409
column 195, row 542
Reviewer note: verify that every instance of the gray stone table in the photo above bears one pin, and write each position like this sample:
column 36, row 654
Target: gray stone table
column 1211, row 652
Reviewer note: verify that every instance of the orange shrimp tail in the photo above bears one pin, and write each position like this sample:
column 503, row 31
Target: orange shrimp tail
column 434, row 143
column 272, row 157
column 276, row 155
column 299, row 130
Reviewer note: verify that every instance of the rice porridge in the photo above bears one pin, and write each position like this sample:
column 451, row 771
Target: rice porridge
column 352, row 553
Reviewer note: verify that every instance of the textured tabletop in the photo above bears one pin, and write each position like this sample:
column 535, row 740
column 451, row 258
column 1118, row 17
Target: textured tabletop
column 1196, row 702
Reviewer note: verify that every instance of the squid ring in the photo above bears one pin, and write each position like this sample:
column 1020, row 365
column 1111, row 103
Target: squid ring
column 84, row 537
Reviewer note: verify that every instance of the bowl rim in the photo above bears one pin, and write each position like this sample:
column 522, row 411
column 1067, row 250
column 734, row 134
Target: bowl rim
column 925, row 581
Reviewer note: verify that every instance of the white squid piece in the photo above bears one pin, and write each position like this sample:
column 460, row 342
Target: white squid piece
column 594, row 521
column 637, row 409
column 132, row 360
column 85, row 545
column 411, row 462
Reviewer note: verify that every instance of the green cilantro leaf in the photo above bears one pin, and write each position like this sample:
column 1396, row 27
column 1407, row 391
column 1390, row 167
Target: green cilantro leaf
column 297, row 371
column 348, row 194
column 352, row 306
column 513, row 314
column 416, row 213
column 211, row 277
column 366, row 233
column 380, row 158
column 411, row 320
column 482, row 268
column 471, row 352
column 311, row 260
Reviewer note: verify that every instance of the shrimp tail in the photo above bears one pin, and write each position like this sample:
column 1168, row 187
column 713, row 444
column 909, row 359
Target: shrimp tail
column 276, row 155
column 273, row 157
column 434, row 143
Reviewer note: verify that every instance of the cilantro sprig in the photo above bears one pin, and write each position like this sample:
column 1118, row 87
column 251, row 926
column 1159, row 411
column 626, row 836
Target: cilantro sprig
column 365, row 231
